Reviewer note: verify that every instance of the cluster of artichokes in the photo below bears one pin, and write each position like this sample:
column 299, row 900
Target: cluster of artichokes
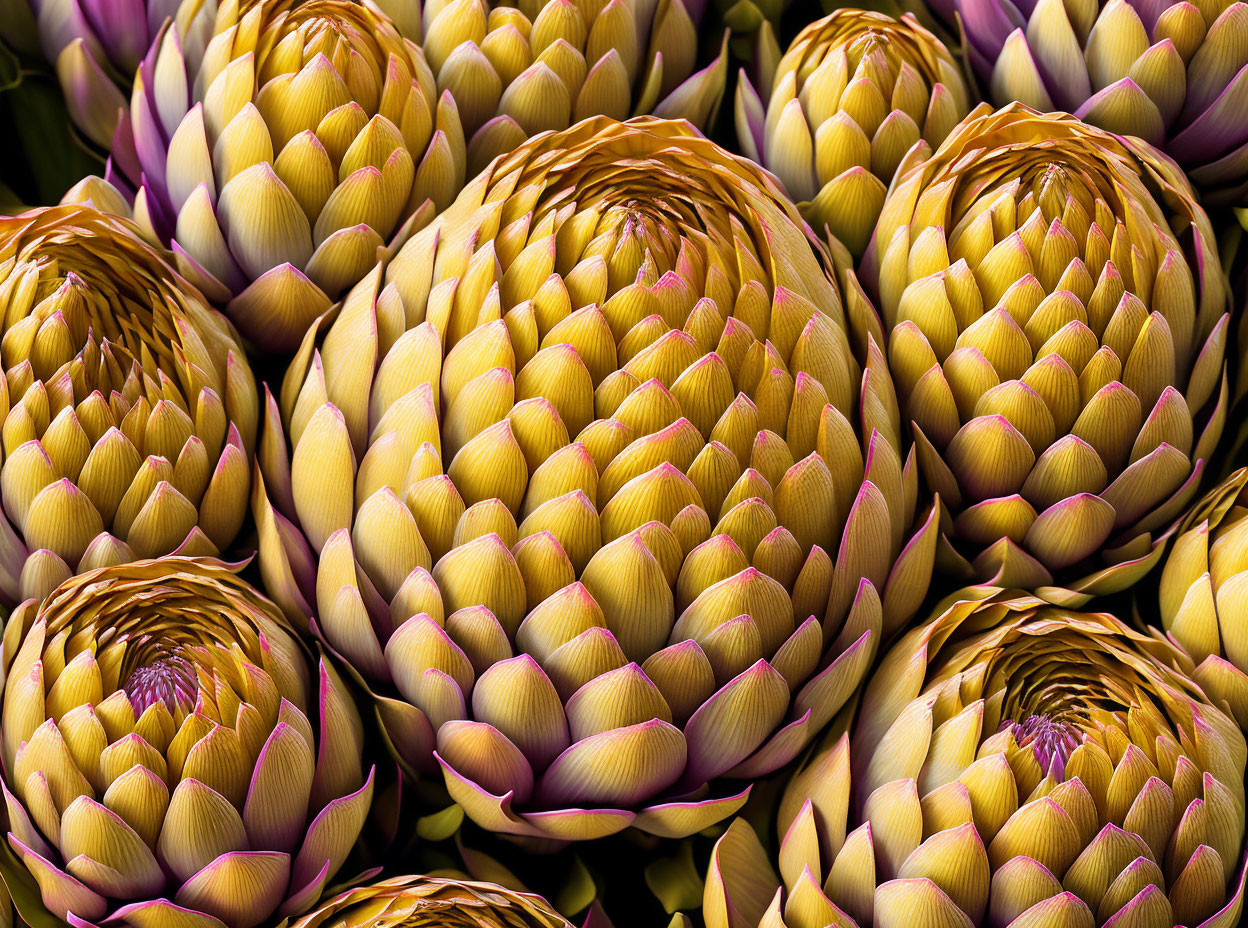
column 441, row 483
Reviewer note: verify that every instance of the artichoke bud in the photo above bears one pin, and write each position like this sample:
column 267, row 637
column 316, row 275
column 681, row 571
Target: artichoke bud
column 623, row 564
column 1066, row 322
column 129, row 408
column 1201, row 579
column 143, row 697
column 548, row 64
column 421, row 901
column 856, row 95
column 291, row 161
column 1166, row 75
column 1013, row 763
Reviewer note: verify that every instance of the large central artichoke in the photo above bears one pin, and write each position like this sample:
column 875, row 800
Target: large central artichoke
column 590, row 487
column 520, row 67
column 1059, row 322
column 853, row 94
column 128, row 406
column 1172, row 72
column 1015, row 765
column 172, row 755
column 279, row 159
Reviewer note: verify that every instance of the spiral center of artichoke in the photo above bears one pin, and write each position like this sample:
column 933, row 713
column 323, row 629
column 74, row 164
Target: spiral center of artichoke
column 1052, row 741
column 1051, row 189
column 870, row 42
column 169, row 679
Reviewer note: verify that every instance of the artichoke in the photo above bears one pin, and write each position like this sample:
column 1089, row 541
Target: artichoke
column 590, row 489
column 1202, row 594
column 1059, row 321
column 129, row 410
column 172, row 755
column 305, row 136
column 1172, row 73
column 1014, row 764
column 520, row 67
column 417, row 901
column 852, row 95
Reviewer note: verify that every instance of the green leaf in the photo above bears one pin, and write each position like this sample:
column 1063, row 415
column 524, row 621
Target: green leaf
column 485, row 868
column 440, row 825
column 10, row 68
column 743, row 16
column 579, row 890
column 36, row 127
column 675, row 880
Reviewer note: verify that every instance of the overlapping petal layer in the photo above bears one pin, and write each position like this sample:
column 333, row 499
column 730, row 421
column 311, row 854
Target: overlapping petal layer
column 1014, row 764
column 129, row 409
column 1172, row 72
column 590, row 486
column 1202, row 600
column 520, row 67
column 1059, row 323
column 853, row 94
column 414, row 901
column 172, row 754
column 277, row 158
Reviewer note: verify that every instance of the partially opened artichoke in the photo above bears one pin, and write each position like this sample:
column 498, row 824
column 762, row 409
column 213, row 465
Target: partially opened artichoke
column 1013, row 764
column 852, row 95
column 520, row 67
column 591, row 487
column 172, row 753
column 418, row 901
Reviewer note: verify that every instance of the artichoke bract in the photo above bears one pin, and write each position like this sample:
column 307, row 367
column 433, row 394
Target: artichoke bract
column 1202, row 595
column 1173, row 73
column 276, row 162
column 129, row 409
column 521, row 67
column 853, row 94
column 417, row 901
column 1059, row 324
column 589, row 486
column 172, row 753
column 1014, row 764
